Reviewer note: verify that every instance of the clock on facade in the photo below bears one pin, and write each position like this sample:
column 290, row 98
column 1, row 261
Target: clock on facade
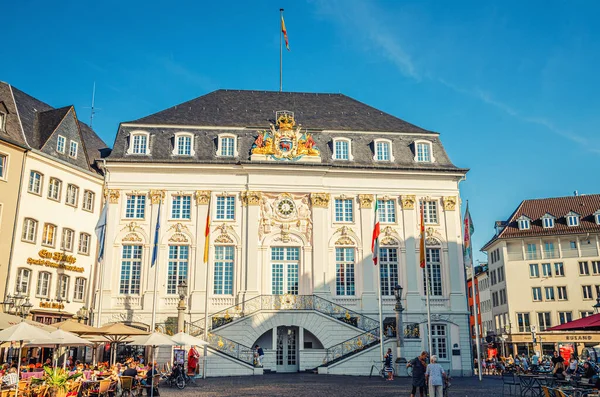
column 285, row 207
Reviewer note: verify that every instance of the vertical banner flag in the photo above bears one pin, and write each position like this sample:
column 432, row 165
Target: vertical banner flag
column 469, row 230
column 207, row 233
column 376, row 231
column 101, row 231
column 422, row 242
column 284, row 31
column 155, row 249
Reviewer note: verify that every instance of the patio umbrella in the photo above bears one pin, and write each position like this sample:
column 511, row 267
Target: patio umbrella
column 59, row 338
column 119, row 332
column 22, row 332
column 154, row 340
column 185, row 339
column 8, row 320
column 77, row 328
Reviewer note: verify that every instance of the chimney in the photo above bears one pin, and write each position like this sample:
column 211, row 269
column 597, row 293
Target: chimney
column 499, row 226
column 576, row 193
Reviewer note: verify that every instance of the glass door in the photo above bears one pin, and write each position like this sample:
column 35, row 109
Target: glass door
column 287, row 349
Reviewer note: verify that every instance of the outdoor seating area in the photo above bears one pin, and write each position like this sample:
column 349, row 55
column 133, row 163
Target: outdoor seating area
column 540, row 385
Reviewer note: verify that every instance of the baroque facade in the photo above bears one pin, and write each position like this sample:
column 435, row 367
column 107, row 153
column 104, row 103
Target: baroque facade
column 291, row 210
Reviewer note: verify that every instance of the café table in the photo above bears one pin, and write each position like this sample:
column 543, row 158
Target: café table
column 32, row 374
column 531, row 385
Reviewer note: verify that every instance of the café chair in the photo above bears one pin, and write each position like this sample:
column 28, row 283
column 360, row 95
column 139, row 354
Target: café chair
column 102, row 390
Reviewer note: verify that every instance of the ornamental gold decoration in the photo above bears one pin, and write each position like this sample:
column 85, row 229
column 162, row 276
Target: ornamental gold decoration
column 251, row 198
column 157, row 196
column 202, row 197
column 408, row 202
column 131, row 226
column 132, row 237
column 366, row 200
column 320, row 200
column 112, row 195
column 450, row 203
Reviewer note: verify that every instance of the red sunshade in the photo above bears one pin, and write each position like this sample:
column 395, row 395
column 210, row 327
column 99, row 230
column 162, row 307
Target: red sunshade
column 588, row 322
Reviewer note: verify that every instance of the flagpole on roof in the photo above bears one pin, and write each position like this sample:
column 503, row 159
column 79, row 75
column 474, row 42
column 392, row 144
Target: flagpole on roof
column 280, row 52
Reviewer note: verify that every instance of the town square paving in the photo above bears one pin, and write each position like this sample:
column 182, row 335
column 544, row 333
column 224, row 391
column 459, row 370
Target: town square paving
column 324, row 385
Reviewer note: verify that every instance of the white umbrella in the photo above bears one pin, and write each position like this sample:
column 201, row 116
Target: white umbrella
column 22, row 332
column 185, row 339
column 154, row 339
column 60, row 338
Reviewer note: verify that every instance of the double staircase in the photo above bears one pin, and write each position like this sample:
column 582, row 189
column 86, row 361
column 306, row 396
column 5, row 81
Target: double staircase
column 236, row 313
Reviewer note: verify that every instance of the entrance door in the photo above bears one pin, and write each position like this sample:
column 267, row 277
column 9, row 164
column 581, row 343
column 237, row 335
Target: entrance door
column 287, row 349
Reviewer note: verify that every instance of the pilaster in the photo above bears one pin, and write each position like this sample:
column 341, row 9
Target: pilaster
column 411, row 235
column 251, row 207
column 320, row 211
column 370, row 273
column 198, row 284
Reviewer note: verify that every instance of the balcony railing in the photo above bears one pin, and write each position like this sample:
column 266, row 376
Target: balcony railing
column 352, row 345
column 549, row 254
column 224, row 345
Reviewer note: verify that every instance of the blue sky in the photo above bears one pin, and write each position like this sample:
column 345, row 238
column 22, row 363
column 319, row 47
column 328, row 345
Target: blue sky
column 512, row 86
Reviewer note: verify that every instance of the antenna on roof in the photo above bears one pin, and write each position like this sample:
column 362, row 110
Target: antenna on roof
column 93, row 108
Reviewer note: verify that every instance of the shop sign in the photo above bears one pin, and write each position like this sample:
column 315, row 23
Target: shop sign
column 57, row 260
column 578, row 337
column 52, row 305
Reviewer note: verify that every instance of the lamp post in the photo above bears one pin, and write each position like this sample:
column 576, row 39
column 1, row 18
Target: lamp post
column 507, row 329
column 25, row 308
column 182, row 291
column 399, row 326
column 597, row 306
column 82, row 314
column 8, row 304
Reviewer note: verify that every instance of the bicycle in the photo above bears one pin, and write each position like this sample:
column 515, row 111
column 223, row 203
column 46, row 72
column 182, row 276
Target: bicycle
column 382, row 372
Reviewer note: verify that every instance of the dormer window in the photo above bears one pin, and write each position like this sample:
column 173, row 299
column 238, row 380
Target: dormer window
column 597, row 217
column 342, row 149
column 138, row 143
column 573, row 219
column 2, row 121
column 383, row 150
column 184, row 145
column 227, row 146
column 548, row 221
column 423, row 152
column 524, row 222
column 60, row 144
column 73, row 146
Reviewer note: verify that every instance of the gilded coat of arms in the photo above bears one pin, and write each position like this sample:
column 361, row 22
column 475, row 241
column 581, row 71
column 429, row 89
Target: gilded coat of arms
column 285, row 141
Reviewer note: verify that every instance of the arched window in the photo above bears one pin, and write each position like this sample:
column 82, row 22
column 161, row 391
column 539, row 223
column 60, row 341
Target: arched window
column 139, row 143
column 36, row 180
column 54, row 188
column 178, row 267
column 62, row 288
column 342, row 149
column 383, row 150
column 79, row 294
column 184, row 144
column 423, row 151
column 67, row 240
column 84, row 244
column 49, row 235
column 29, row 230
column 227, row 146
column 72, row 195
column 23, row 278
column 43, row 284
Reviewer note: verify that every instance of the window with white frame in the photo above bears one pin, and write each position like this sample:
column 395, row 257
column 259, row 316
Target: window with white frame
column 88, row 200
column 524, row 223
column 35, row 182
column 544, row 321
column 227, row 146
column 43, row 284
column 597, row 217
column 523, row 324
column 531, row 251
column 430, row 215
column 565, row 317
column 60, row 144
column 135, row 207
column 72, row 195
column 439, row 341
column 3, row 166
column 573, row 219
column 79, row 293
column 344, row 271
column 546, row 269
column 2, row 121
column 423, row 152
column 184, row 145
column 177, row 271
column 225, row 208
column 29, row 230
column 67, row 240
column 387, row 211
column 434, row 268
column 548, row 221
column 284, row 270
column 549, row 291
column 54, row 188
column 383, row 150
column 342, row 149
column 73, row 146
column 388, row 271
column 585, row 313
column 131, row 268
column 23, row 279
column 584, row 269
column 181, row 207
column 138, row 143
column 62, row 288
column 223, row 272
column 84, row 243
column 562, row 293
column 559, row 269
column 49, row 235
column 344, row 210
column 595, row 268
column 586, row 292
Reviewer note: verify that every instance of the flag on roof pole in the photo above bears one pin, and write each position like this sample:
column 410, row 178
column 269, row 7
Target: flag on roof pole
column 155, row 249
column 207, row 234
column 284, row 31
column 376, row 231
column 101, row 231
column 422, row 242
column 469, row 230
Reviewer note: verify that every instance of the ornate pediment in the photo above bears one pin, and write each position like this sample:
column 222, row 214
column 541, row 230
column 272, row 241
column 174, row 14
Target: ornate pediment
column 112, row 195
column 365, row 200
column 132, row 227
column 388, row 236
column 224, row 236
column 408, row 202
column 449, row 203
column 178, row 235
column 346, row 236
column 132, row 237
column 202, row 197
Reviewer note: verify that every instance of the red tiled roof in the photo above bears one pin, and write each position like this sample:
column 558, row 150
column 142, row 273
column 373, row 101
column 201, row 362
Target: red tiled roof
column 588, row 322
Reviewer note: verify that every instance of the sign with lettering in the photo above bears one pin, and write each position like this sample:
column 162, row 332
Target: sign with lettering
column 52, row 305
column 578, row 337
column 57, row 260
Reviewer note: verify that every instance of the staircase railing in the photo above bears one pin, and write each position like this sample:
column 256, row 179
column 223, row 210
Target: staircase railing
column 351, row 346
column 224, row 345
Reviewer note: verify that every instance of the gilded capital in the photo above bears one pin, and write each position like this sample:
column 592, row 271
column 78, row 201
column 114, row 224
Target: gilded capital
column 112, row 195
column 251, row 198
column 202, row 197
column 365, row 200
column 157, row 196
column 320, row 200
column 408, row 202
column 449, row 203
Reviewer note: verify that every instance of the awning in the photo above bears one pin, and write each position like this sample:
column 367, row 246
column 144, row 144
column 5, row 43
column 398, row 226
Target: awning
column 587, row 323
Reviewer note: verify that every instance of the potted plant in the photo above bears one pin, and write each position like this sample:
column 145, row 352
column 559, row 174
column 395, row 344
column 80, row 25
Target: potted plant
column 57, row 380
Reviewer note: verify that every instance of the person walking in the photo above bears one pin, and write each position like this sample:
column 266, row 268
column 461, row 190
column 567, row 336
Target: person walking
column 388, row 358
column 419, row 366
column 434, row 376
column 260, row 355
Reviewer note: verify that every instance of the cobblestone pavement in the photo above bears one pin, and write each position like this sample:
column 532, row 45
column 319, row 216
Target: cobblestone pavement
column 325, row 385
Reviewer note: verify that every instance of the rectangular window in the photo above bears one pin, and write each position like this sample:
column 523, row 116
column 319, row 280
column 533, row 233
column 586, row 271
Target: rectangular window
column 586, row 291
column 493, row 277
column 546, row 270
column 43, row 284
column 434, row 268
column 544, row 321
column 181, row 207
column 84, row 244
column 66, row 243
column 131, row 268
column 62, row 290
column 79, row 293
column 501, row 274
column 495, row 298
column 559, row 269
column 35, row 182
column 139, row 144
column 49, row 235
column 184, row 145
column 387, row 211
column 22, row 285
column 573, row 220
column 438, row 341
column 60, row 144
column 503, row 297
column 29, row 230
column 584, row 269
column 223, row 284
column 344, row 269
column 534, row 270
column 136, row 206
column 227, row 146
column 549, row 250
column 54, row 188
column 178, row 267
column 423, row 154
column 430, row 212
column 549, row 293
column 548, row 222
column 73, row 149
column 531, row 251
column 284, row 270
column 595, row 268
column 562, row 293
column 565, row 317
column 341, row 150
column 72, row 195
column 585, row 314
column 523, row 322
column 388, row 262
column 3, row 166
column 344, row 210
column 382, row 151
column 226, row 208
column 88, row 200
column 537, row 294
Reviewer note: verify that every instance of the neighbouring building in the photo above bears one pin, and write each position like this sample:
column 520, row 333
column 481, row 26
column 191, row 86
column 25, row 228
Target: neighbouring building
column 289, row 182
column 485, row 306
column 544, row 270
column 50, row 199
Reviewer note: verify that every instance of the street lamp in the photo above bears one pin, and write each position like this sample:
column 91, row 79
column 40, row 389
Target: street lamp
column 8, row 304
column 25, row 308
column 82, row 314
column 597, row 306
column 182, row 290
column 399, row 327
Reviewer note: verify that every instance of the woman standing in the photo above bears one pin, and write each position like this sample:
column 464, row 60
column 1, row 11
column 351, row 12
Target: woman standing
column 193, row 357
column 419, row 366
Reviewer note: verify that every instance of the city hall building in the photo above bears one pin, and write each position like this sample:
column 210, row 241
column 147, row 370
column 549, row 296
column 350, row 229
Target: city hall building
column 288, row 183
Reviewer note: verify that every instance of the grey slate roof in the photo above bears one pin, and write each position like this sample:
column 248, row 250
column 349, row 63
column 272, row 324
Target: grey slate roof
column 255, row 110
